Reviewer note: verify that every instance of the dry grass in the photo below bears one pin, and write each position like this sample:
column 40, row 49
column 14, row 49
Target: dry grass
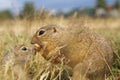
column 20, row 31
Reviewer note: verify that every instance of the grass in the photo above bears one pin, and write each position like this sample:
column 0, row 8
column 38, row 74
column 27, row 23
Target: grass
column 13, row 32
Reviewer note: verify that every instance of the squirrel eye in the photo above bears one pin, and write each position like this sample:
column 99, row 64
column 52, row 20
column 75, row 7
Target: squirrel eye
column 41, row 32
column 24, row 48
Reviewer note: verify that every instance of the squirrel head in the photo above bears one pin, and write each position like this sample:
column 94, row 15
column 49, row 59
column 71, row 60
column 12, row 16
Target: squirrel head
column 46, row 36
column 23, row 51
column 18, row 54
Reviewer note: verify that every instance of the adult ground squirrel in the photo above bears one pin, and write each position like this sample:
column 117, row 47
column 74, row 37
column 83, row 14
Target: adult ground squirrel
column 90, row 55
column 15, row 59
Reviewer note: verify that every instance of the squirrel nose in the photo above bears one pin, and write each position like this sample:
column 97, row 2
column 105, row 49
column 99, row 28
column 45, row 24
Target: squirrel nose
column 34, row 40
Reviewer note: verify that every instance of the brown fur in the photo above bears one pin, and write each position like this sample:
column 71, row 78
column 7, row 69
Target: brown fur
column 90, row 55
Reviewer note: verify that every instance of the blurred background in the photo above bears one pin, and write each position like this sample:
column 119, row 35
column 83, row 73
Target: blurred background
column 9, row 9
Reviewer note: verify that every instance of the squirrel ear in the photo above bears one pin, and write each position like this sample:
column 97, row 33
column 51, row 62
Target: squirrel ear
column 54, row 29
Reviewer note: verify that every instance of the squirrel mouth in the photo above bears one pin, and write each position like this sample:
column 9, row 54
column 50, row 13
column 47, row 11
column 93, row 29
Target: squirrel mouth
column 37, row 47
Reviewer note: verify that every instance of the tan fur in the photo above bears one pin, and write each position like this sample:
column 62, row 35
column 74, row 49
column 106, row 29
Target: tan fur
column 90, row 55
column 16, row 58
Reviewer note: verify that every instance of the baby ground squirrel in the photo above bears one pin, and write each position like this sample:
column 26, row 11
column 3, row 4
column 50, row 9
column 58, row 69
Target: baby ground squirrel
column 90, row 56
column 16, row 58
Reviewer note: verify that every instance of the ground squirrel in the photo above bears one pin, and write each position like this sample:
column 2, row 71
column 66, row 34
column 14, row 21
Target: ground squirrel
column 15, row 59
column 90, row 56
